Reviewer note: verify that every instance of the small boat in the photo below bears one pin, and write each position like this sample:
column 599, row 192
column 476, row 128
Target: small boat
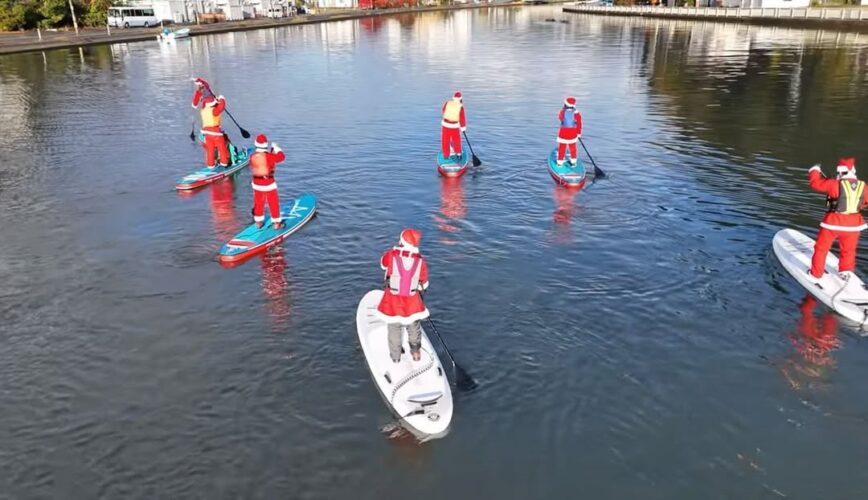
column 572, row 176
column 846, row 295
column 417, row 392
column 454, row 166
column 168, row 36
column 204, row 175
column 253, row 240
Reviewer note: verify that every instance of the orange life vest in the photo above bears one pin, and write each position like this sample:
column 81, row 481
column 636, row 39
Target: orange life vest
column 452, row 111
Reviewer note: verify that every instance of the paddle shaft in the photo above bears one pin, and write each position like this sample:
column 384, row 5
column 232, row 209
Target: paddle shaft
column 442, row 342
column 597, row 171
column 244, row 133
column 476, row 161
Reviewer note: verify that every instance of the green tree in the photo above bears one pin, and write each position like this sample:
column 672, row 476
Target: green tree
column 54, row 13
column 97, row 13
column 18, row 15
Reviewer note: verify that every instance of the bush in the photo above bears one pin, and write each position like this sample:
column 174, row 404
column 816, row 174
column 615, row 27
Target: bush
column 97, row 13
column 18, row 15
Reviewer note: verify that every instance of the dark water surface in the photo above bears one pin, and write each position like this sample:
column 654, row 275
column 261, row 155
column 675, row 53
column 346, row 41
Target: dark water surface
column 636, row 340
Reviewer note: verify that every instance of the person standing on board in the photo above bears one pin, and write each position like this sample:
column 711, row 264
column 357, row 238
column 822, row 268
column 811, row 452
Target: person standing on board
column 570, row 131
column 262, row 165
column 212, row 108
column 452, row 125
column 402, row 306
column 845, row 198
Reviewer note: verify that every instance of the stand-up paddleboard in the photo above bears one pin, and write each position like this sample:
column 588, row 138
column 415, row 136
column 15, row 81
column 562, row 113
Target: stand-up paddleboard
column 254, row 240
column 454, row 166
column 573, row 176
column 416, row 391
column 846, row 296
column 205, row 175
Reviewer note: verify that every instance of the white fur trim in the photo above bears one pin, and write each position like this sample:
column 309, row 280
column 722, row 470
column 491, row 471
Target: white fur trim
column 446, row 124
column 266, row 188
column 261, row 145
column 406, row 247
column 258, row 218
column 277, row 220
column 846, row 229
column 567, row 141
column 815, row 167
column 211, row 132
column 404, row 320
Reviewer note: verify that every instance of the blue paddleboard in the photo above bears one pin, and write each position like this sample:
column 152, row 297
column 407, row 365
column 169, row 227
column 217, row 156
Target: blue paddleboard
column 253, row 240
column 205, row 175
column 566, row 174
column 454, row 166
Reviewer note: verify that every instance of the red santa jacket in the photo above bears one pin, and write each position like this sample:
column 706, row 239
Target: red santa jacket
column 394, row 308
column 569, row 135
column 462, row 120
column 831, row 187
column 262, row 166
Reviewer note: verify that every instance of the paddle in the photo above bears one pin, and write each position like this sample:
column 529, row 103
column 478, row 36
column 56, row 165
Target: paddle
column 476, row 161
column 463, row 380
column 244, row 133
column 193, row 131
column 598, row 173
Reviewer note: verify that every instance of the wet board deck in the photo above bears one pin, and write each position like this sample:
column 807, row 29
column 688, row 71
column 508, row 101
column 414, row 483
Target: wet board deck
column 566, row 174
column 417, row 392
column 454, row 166
column 253, row 240
column 849, row 298
column 204, row 176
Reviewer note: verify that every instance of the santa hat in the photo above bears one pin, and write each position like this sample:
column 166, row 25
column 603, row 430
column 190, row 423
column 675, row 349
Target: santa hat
column 261, row 142
column 570, row 102
column 209, row 101
column 410, row 239
column 456, row 96
column 847, row 167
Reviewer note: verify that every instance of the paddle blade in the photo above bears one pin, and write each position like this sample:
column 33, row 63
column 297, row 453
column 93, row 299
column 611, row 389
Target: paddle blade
column 245, row 134
column 476, row 161
column 463, row 380
column 193, row 132
column 599, row 174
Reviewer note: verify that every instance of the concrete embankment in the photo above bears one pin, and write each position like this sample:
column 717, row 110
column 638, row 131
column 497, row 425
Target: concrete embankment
column 830, row 18
column 29, row 41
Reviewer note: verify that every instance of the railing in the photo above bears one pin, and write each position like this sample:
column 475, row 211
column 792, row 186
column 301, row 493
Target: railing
column 829, row 13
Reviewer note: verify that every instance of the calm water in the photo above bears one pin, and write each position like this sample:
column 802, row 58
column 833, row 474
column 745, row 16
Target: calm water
column 636, row 340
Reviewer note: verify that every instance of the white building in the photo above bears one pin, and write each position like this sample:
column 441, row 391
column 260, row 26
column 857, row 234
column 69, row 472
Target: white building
column 336, row 4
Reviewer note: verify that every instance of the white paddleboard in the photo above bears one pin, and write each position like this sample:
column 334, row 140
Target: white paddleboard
column 416, row 391
column 847, row 297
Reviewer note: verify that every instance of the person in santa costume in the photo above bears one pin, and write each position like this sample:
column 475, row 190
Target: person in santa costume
column 212, row 109
column 262, row 165
column 570, row 131
column 453, row 124
column 402, row 306
column 845, row 198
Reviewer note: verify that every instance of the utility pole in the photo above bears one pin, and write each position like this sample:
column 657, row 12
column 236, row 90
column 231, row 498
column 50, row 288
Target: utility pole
column 74, row 21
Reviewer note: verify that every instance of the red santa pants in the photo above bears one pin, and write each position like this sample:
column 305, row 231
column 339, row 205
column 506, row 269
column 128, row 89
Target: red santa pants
column 260, row 198
column 562, row 148
column 848, row 241
column 450, row 136
column 217, row 142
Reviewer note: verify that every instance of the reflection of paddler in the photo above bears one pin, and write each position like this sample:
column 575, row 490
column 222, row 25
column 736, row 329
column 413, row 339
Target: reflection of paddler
column 223, row 209
column 565, row 206
column 275, row 285
column 452, row 198
column 814, row 342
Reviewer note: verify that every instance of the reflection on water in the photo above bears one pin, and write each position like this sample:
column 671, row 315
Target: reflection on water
column 275, row 287
column 814, row 341
column 452, row 208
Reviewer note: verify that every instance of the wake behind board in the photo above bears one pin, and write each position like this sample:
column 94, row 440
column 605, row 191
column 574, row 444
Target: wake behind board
column 205, row 175
column 849, row 298
column 253, row 240
column 573, row 176
column 454, row 166
column 416, row 391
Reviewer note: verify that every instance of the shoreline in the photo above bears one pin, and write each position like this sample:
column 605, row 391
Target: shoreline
column 852, row 19
column 99, row 36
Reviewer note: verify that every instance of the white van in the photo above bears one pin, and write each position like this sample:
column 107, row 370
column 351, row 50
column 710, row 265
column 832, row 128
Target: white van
column 129, row 17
